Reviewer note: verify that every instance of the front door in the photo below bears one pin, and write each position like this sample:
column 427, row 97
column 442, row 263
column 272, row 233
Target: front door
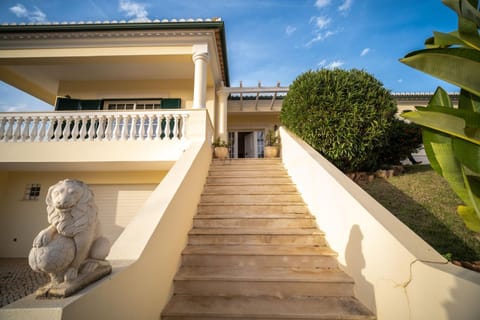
column 246, row 144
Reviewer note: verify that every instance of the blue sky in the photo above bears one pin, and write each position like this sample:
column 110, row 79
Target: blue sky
column 273, row 40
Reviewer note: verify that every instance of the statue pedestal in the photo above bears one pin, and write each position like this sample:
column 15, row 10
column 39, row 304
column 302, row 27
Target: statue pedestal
column 65, row 289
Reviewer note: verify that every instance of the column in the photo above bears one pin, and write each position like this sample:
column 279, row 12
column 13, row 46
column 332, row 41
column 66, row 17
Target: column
column 221, row 129
column 200, row 59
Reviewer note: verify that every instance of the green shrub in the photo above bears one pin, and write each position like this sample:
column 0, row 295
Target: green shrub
column 342, row 114
column 403, row 139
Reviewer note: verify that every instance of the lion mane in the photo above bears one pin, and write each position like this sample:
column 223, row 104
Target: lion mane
column 79, row 216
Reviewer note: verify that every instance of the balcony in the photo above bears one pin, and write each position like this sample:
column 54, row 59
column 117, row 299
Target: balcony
column 101, row 139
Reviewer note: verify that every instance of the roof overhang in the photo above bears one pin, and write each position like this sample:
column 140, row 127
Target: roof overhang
column 37, row 58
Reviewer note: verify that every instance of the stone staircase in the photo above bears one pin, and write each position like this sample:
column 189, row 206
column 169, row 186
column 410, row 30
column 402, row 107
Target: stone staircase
column 255, row 252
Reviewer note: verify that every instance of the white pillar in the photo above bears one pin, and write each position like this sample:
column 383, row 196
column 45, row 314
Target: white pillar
column 221, row 129
column 200, row 59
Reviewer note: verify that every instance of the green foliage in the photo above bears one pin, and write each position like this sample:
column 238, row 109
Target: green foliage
column 219, row 143
column 344, row 115
column 271, row 138
column 452, row 136
column 403, row 139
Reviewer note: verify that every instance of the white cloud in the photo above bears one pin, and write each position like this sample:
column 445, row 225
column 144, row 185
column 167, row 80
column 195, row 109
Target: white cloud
column 335, row 64
column 320, row 37
column 400, row 80
column 135, row 10
column 290, row 30
column 321, row 22
column 35, row 15
column 365, row 52
column 322, row 3
column 330, row 65
column 347, row 4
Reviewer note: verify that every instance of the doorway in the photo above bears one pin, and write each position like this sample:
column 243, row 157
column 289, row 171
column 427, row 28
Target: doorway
column 246, row 144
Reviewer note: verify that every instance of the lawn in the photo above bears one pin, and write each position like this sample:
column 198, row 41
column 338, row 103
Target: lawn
column 425, row 203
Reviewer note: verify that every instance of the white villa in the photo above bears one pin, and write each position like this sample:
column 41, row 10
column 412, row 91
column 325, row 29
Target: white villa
column 136, row 108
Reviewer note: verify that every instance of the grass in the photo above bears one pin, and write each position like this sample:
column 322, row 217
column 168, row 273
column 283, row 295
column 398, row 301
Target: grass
column 423, row 201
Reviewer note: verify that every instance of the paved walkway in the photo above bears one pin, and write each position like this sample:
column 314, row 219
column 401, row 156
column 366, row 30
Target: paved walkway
column 17, row 280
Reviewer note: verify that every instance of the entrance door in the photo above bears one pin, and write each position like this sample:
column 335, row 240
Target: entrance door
column 250, row 150
column 246, row 144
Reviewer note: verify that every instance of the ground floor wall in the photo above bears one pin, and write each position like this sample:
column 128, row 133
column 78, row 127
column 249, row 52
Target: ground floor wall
column 246, row 133
column 23, row 211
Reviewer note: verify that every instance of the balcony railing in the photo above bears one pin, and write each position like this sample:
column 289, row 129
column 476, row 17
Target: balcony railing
column 93, row 126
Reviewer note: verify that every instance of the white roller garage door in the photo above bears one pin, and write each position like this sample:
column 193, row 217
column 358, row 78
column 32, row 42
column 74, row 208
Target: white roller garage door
column 117, row 204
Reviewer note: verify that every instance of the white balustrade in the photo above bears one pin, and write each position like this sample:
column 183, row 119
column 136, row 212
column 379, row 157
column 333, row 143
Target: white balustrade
column 92, row 126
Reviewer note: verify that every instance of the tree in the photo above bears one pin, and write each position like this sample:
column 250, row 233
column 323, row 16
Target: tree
column 343, row 114
column 452, row 136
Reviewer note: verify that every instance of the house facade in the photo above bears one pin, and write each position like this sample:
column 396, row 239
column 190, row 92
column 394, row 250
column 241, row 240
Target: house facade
column 136, row 107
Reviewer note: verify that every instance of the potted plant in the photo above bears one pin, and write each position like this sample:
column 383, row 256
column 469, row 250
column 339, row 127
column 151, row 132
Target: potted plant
column 220, row 148
column 271, row 144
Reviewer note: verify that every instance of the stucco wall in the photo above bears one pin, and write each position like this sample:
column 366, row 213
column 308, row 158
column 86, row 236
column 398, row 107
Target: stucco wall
column 252, row 120
column 397, row 275
column 23, row 219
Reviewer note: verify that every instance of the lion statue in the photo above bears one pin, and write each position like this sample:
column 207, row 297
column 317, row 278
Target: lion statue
column 72, row 245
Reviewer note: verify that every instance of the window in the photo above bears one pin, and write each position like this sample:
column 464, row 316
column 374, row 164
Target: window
column 153, row 104
column 32, row 191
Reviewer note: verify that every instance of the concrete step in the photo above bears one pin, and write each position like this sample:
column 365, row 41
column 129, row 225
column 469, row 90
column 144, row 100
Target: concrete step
column 266, row 307
column 245, row 161
column 245, row 180
column 247, row 166
column 260, row 256
column 252, row 208
column 251, row 198
column 277, row 282
column 249, row 188
column 202, row 222
column 258, row 172
column 256, row 236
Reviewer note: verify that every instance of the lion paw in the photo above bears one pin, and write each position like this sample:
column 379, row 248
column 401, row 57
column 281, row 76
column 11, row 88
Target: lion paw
column 89, row 266
column 71, row 274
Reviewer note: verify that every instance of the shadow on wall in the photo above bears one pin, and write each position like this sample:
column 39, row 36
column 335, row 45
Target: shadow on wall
column 356, row 263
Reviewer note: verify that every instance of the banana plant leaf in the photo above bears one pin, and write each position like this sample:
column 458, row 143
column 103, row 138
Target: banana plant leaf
column 468, row 154
column 444, row 40
column 464, row 8
column 443, row 122
column 469, row 217
column 469, row 102
column 450, row 167
column 459, row 66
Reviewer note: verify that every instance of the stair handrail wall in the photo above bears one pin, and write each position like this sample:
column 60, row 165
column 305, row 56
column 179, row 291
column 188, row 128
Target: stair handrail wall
column 397, row 274
column 147, row 255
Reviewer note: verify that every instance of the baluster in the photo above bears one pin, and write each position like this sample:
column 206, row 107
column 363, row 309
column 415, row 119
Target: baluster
column 101, row 128
column 83, row 128
column 91, row 129
column 168, row 130
column 50, row 122
column 3, row 124
column 34, row 132
column 9, row 133
column 158, row 129
column 109, row 130
column 126, row 123
column 150, row 126
column 25, row 131
column 58, row 129
column 18, row 128
column 75, row 131
column 175, row 126
column 142, row 126
column 66, row 129
column 133, row 128
column 183, row 126
column 116, row 129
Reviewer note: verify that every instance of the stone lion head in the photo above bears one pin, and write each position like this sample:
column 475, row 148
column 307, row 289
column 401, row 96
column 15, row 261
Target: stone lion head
column 70, row 206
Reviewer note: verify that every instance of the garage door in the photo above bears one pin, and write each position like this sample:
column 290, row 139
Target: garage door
column 117, row 204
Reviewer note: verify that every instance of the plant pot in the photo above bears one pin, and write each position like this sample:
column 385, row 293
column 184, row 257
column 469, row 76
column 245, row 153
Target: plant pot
column 221, row 152
column 271, row 151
